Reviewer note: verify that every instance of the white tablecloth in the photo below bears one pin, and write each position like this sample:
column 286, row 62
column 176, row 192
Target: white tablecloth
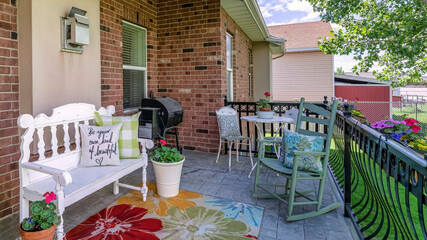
column 275, row 119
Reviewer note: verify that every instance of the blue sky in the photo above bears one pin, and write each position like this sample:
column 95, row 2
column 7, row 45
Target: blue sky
column 277, row 12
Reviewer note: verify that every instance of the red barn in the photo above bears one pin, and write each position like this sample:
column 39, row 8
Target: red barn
column 373, row 98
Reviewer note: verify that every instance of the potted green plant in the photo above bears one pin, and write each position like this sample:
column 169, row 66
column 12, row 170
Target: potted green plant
column 167, row 164
column 41, row 225
column 264, row 107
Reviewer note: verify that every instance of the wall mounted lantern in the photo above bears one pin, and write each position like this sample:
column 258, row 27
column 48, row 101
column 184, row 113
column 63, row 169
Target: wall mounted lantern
column 75, row 31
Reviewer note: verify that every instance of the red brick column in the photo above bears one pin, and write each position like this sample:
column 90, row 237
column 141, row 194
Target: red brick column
column 191, row 68
column 112, row 12
column 9, row 109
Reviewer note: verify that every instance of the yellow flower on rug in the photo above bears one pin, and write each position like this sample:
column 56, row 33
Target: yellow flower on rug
column 159, row 205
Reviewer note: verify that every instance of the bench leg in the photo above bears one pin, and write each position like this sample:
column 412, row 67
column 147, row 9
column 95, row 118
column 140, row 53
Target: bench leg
column 60, row 210
column 116, row 187
column 24, row 208
column 144, row 189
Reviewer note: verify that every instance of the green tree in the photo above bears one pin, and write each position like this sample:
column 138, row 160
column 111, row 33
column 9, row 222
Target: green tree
column 339, row 70
column 389, row 33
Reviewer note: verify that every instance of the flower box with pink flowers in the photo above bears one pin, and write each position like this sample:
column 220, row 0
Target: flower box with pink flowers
column 406, row 132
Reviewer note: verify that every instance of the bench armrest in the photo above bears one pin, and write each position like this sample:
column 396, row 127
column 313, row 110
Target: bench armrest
column 146, row 143
column 63, row 177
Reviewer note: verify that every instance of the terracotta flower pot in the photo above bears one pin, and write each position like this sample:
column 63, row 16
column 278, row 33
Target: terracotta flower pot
column 265, row 109
column 168, row 177
column 46, row 234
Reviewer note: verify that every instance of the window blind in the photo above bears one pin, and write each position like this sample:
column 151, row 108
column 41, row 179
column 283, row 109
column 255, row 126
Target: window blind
column 134, row 46
column 134, row 65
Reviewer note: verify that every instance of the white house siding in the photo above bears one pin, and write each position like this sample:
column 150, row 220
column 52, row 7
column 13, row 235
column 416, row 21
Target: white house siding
column 302, row 74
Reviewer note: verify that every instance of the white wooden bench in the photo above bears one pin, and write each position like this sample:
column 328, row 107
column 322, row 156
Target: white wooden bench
column 60, row 172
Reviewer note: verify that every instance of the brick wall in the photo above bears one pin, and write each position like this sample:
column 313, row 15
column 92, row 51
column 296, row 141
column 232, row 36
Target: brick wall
column 9, row 110
column 191, row 67
column 112, row 12
column 186, row 56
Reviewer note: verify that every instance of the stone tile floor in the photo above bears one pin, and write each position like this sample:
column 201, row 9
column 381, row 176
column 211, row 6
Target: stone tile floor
column 201, row 174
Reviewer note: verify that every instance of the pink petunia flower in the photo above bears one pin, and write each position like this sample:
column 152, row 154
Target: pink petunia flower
column 163, row 142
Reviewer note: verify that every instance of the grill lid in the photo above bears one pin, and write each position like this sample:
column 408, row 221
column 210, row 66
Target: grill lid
column 171, row 111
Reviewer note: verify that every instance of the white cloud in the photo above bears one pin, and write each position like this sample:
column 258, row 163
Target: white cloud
column 294, row 20
column 310, row 17
column 279, row 8
column 301, row 6
column 344, row 61
column 265, row 10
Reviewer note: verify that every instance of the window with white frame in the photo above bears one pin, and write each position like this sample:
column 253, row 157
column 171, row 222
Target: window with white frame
column 250, row 72
column 229, row 48
column 134, row 65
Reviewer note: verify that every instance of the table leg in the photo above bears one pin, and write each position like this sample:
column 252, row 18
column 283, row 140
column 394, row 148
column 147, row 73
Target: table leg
column 260, row 136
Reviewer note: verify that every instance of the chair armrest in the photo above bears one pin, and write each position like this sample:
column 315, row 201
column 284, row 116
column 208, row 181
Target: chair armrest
column 299, row 153
column 63, row 177
column 269, row 141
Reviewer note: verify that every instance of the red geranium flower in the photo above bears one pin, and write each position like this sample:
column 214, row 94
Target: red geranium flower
column 49, row 197
column 410, row 121
column 416, row 128
column 267, row 94
column 163, row 142
column 117, row 222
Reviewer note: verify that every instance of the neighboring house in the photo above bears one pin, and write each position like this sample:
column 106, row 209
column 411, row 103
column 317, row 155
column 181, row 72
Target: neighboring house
column 193, row 51
column 374, row 97
column 304, row 70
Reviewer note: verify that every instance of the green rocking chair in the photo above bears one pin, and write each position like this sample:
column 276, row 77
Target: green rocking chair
column 294, row 173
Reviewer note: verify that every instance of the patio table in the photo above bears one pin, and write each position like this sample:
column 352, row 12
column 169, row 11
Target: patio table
column 258, row 125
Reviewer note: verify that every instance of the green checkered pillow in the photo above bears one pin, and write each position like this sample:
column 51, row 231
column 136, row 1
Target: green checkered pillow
column 128, row 139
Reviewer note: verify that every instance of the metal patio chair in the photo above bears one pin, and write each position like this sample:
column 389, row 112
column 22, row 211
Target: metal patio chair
column 229, row 131
column 294, row 174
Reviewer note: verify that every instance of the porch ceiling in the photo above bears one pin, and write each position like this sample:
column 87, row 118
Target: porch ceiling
column 247, row 15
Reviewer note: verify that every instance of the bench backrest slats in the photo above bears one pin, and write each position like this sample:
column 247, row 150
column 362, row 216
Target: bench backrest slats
column 43, row 128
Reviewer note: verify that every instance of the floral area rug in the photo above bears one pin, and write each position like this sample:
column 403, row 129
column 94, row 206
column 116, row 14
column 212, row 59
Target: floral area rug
column 187, row 216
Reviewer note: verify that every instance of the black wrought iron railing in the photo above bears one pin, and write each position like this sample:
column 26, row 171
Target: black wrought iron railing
column 382, row 183
column 249, row 109
column 386, row 188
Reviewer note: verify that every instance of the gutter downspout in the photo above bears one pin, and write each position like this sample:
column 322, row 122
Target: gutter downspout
column 281, row 55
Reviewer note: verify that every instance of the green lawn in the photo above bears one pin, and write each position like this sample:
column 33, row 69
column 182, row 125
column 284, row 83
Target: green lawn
column 371, row 179
column 409, row 112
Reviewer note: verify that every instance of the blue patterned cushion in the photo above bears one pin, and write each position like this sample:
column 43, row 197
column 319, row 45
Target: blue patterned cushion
column 300, row 142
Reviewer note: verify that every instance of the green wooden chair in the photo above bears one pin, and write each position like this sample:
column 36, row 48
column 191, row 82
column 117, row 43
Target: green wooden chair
column 294, row 174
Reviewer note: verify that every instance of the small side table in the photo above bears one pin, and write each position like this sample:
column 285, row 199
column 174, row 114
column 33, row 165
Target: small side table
column 258, row 124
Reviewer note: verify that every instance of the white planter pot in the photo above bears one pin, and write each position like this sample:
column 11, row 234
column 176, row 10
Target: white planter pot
column 265, row 114
column 168, row 176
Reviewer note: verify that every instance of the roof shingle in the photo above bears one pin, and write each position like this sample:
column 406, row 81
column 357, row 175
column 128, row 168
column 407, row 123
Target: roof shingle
column 301, row 35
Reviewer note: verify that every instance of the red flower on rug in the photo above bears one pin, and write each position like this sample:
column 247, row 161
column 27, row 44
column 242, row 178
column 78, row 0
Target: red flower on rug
column 250, row 236
column 117, row 222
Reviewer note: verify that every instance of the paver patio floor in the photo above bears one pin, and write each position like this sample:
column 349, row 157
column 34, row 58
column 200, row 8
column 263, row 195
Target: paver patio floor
column 201, row 174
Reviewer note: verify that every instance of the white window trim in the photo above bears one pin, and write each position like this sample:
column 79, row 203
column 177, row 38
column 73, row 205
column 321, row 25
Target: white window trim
column 230, row 87
column 138, row 68
column 130, row 67
column 250, row 58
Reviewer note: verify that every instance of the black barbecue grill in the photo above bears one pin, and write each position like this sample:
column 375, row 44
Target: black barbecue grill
column 159, row 116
